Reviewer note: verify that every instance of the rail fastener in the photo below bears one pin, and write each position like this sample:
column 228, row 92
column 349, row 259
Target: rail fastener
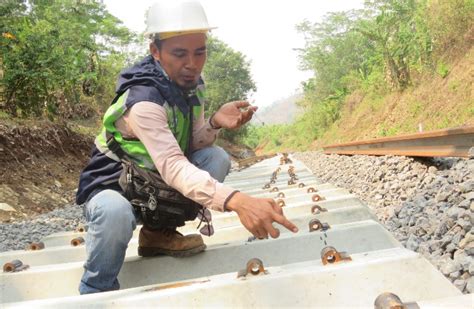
column 317, row 198
column 391, row 301
column 77, row 241
column 316, row 225
column 316, row 209
column 14, row 266
column 329, row 255
column 35, row 246
column 254, row 268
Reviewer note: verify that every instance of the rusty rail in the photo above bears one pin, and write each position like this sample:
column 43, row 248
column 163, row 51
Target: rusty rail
column 244, row 163
column 457, row 142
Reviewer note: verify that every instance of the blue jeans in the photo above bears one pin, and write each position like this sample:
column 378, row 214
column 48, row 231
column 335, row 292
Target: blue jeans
column 111, row 222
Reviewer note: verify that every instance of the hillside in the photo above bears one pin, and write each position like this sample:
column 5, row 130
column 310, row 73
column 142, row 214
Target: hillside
column 283, row 111
column 435, row 103
column 391, row 68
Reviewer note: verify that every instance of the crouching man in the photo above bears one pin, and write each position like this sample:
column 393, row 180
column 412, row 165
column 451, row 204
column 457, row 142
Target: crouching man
column 154, row 161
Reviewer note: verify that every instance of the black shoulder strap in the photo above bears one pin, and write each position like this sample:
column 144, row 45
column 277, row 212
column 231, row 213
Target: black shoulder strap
column 114, row 146
column 189, row 151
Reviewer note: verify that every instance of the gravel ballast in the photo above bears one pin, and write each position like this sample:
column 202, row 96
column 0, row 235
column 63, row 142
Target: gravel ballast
column 19, row 234
column 428, row 205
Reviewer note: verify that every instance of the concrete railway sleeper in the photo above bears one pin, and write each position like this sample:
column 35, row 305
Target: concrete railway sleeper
column 344, row 243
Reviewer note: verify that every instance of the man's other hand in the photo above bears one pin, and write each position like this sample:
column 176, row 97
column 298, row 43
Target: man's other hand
column 233, row 115
column 258, row 214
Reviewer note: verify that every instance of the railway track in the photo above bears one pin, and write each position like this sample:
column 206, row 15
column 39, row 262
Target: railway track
column 341, row 257
column 457, row 142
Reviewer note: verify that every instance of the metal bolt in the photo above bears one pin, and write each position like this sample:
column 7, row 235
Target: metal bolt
column 317, row 198
column 281, row 195
column 81, row 229
column 316, row 209
column 311, row 190
column 274, row 189
column 301, row 185
column 280, row 203
column 330, row 255
column 314, row 225
column 36, row 246
column 254, row 267
column 391, row 301
column 77, row 241
column 13, row 266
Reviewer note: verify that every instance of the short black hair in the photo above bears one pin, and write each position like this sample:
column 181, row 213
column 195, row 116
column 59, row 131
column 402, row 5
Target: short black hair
column 157, row 41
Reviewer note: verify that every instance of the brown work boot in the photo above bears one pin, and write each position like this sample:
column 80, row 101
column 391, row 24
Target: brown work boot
column 168, row 242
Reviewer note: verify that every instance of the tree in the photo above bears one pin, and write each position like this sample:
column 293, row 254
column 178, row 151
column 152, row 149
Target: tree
column 400, row 36
column 55, row 56
column 227, row 77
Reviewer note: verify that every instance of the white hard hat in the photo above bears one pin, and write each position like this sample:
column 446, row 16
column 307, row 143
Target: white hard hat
column 176, row 16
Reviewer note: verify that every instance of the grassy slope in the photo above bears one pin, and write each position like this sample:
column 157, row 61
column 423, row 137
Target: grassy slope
column 435, row 102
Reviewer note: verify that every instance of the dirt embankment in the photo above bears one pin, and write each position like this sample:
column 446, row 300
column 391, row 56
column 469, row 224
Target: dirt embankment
column 39, row 166
column 40, row 163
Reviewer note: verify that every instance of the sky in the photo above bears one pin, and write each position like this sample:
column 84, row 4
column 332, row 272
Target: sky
column 263, row 30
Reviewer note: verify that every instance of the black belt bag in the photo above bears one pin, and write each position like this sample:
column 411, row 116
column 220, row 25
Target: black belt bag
column 160, row 205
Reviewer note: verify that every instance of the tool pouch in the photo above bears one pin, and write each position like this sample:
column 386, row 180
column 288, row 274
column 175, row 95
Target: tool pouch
column 159, row 205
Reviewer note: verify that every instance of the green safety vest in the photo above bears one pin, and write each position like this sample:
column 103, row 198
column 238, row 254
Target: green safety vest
column 178, row 123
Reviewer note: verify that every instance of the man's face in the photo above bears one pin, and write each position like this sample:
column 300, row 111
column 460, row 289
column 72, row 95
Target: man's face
column 182, row 58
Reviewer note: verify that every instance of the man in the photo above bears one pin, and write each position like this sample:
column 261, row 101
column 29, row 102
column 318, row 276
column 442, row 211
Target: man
column 157, row 101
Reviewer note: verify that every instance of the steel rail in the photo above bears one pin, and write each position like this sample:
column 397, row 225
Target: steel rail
column 456, row 142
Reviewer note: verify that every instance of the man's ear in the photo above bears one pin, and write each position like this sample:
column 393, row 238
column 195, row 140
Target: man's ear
column 155, row 52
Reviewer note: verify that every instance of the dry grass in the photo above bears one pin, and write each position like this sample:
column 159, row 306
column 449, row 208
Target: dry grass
column 435, row 103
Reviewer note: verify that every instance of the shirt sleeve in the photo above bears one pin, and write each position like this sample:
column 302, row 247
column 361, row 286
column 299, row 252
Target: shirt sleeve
column 203, row 134
column 148, row 122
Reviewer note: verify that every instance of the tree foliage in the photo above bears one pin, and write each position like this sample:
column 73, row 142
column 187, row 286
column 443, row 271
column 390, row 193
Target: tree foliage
column 227, row 76
column 377, row 49
column 57, row 54
column 387, row 46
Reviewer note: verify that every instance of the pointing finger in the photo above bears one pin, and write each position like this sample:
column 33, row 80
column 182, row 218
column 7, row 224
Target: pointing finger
column 285, row 222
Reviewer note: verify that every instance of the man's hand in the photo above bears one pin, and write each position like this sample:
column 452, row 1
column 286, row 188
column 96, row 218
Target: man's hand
column 233, row 115
column 258, row 214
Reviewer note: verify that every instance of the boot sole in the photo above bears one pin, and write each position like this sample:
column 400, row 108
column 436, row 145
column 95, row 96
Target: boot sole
column 150, row 251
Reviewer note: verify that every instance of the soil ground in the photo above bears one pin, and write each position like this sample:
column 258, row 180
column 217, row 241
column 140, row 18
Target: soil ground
column 40, row 163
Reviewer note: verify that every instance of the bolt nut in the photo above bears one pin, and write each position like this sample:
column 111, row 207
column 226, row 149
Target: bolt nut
column 280, row 203
column 36, row 246
column 77, row 241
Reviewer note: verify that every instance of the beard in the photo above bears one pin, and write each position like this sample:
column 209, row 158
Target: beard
column 187, row 85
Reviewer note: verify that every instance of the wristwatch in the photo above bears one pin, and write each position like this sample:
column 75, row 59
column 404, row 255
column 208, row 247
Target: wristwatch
column 210, row 123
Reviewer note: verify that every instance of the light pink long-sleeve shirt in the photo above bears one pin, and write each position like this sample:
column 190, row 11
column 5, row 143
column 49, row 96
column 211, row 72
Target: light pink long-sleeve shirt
column 148, row 122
